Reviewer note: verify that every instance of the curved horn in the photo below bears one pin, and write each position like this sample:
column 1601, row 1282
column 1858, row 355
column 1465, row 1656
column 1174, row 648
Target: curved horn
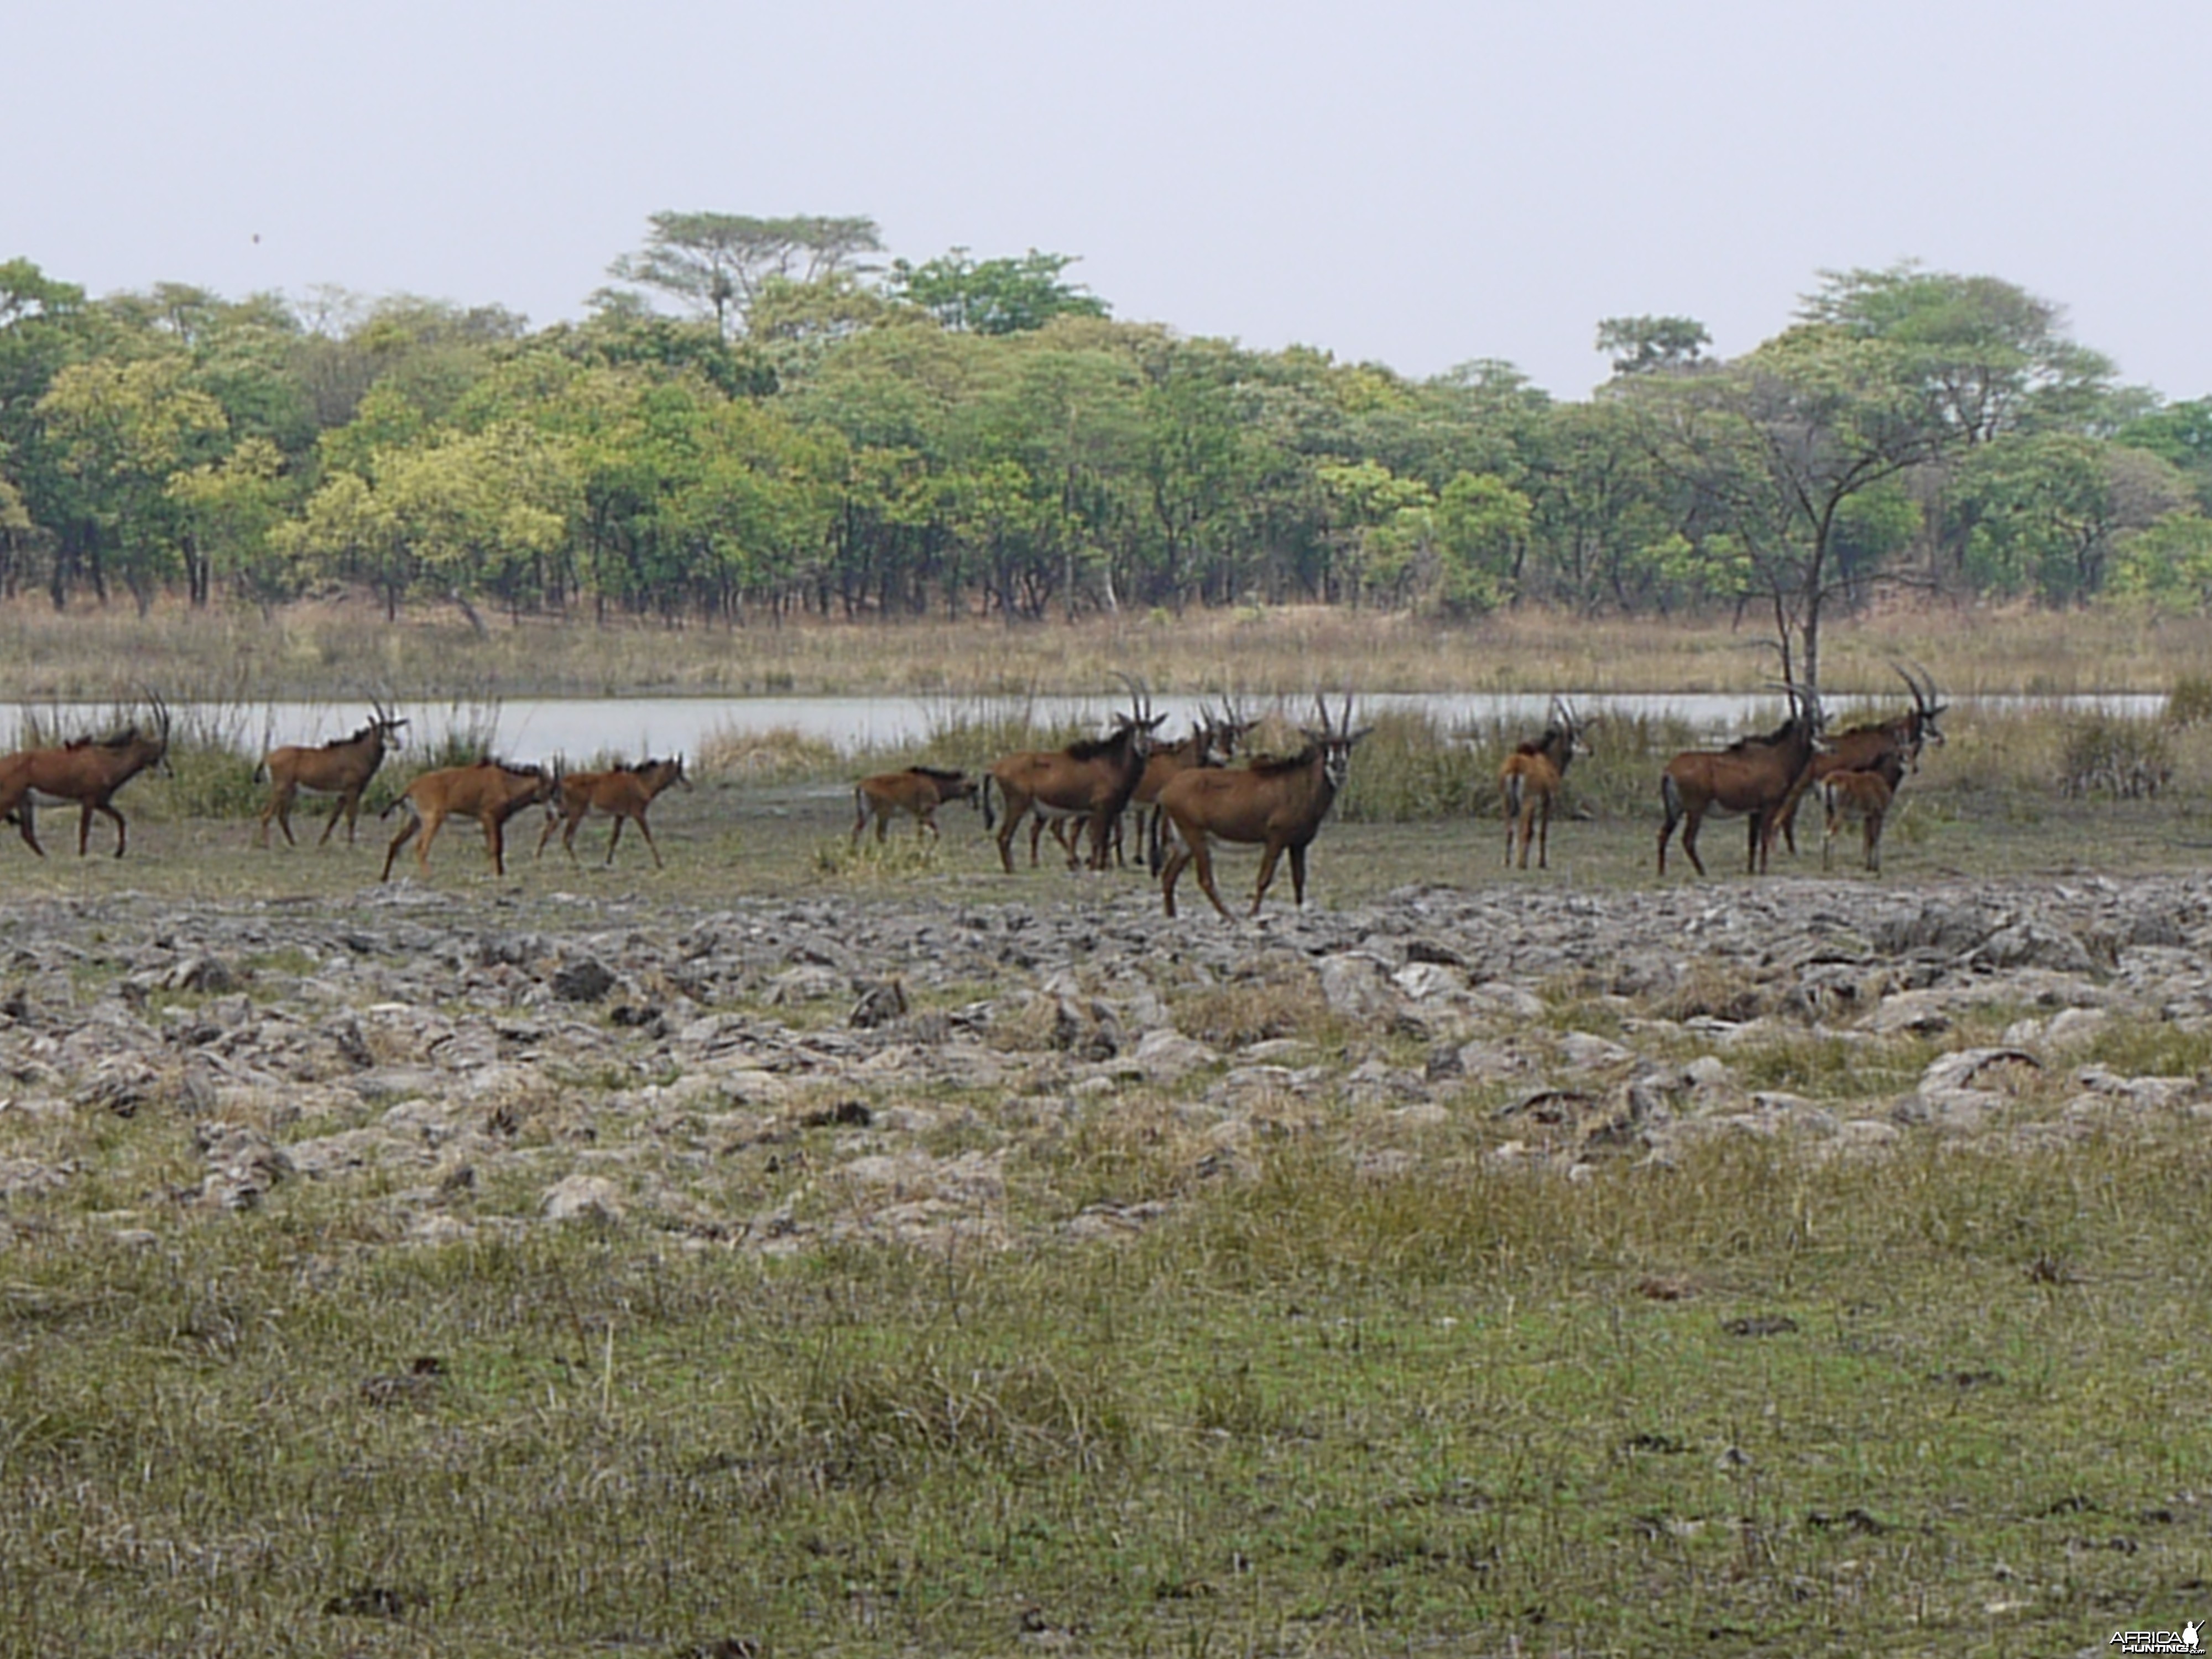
column 1936, row 704
column 1919, row 696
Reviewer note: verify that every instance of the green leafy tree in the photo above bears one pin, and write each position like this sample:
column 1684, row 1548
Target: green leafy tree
column 993, row 296
column 351, row 532
column 1649, row 345
column 1481, row 530
column 125, row 428
column 2166, row 564
column 1597, row 503
column 1774, row 447
column 45, row 325
column 231, row 507
column 1381, row 522
column 2050, row 508
column 2180, row 434
column 716, row 263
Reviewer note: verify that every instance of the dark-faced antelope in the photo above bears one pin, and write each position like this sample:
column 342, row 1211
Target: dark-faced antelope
column 490, row 791
column 1276, row 805
column 342, row 768
column 1868, row 747
column 622, row 794
column 1529, row 781
column 918, row 790
column 1751, row 777
column 1211, row 741
column 1865, row 796
column 1093, row 779
column 85, row 774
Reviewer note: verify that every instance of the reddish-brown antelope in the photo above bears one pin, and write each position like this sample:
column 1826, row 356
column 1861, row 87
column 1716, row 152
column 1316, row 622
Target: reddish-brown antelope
column 1530, row 780
column 490, row 791
column 1751, row 777
column 623, row 792
column 1093, row 779
column 1865, row 795
column 85, row 774
column 342, row 768
column 1212, row 740
column 919, row 791
column 1277, row 805
column 1869, row 747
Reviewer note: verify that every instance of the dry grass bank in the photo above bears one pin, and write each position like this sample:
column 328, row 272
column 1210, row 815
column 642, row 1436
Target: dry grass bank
column 347, row 648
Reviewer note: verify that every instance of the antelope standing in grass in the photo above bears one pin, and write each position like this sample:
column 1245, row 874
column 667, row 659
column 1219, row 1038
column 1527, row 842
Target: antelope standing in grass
column 919, row 790
column 623, row 792
column 1530, row 780
column 1752, row 776
column 84, row 774
column 490, row 791
column 1211, row 742
column 1275, row 803
column 1865, row 795
column 342, row 768
column 1869, row 747
column 1093, row 779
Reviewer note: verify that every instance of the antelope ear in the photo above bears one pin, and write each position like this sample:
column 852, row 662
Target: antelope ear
column 1351, row 738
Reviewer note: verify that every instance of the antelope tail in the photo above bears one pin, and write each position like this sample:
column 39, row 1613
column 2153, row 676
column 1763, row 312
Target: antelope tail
column 990, row 822
column 1513, row 787
column 1670, row 796
column 261, row 771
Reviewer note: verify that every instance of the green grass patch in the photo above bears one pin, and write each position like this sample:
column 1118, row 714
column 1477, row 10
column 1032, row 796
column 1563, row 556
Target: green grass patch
column 1310, row 1412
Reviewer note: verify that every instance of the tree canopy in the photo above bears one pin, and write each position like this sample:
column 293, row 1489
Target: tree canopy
column 799, row 431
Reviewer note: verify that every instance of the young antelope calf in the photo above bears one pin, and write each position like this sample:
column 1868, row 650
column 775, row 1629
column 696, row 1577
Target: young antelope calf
column 919, row 790
column 624, row 793
column 1865, row 796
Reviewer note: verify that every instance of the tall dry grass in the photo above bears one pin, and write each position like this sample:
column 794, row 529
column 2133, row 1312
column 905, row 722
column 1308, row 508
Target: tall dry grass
column 346, row 648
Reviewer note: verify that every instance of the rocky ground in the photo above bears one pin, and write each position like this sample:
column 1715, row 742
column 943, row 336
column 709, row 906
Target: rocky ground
column 781, row 1074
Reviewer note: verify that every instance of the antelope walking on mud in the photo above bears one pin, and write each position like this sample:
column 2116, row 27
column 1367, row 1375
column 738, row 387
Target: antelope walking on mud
column 919, row 790
column 490, row 791
column 1275, row 804
column 1093, row 779
column 342, row 768
column 1752, row 776
column 623, row 792
column 1870, row 748
column 1531, row 777
column 85, row 774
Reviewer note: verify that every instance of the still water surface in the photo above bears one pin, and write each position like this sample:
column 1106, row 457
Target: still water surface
column 581, row 727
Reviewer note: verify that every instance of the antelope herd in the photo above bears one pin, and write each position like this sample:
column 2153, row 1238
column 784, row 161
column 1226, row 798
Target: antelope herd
column 1205, row 788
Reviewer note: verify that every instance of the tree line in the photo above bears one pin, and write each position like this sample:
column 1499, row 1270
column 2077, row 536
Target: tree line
column 808, row 431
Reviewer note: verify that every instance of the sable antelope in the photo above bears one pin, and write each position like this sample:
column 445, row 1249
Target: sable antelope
column 1752, row 776
column 85, row 773
column 490, row 791
column 342, row 768
column 1866, row 747
column 1212, row 740
column 1865, row 796
column 1277, row 804
column 1093, row 778
column 919, row 790
column 623, row 792
column 1531, row 777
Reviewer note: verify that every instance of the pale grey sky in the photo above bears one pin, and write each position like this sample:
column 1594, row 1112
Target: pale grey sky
column 1411, row 181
